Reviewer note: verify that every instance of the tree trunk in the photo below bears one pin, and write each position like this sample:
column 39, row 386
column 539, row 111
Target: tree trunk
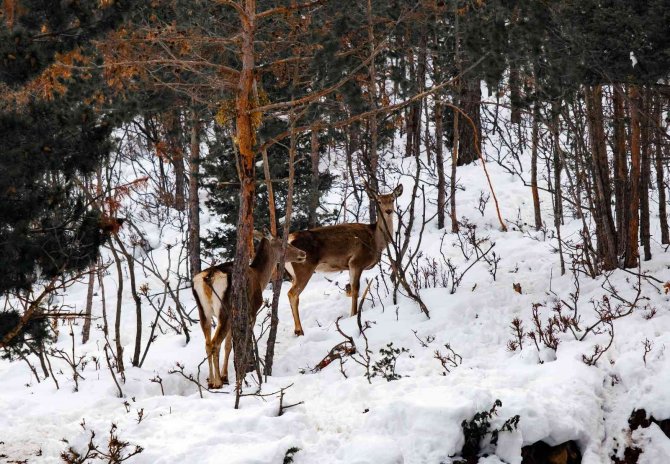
column 411, row 118
column 241, row 326
column 276, row 284
column 620, row 169
column 454, row 163
column 602, row 212
column 314, row 187
column 86, row 329
column 558, row 198
column 632, row 254
column 194, row 198
column 514, row 78
column 174, row 136
column 271, row 193
column 645, row 174
column 373, row 158
column 533, row 167
column 119, row 305
column 470, row 101
column 130, row 260
column 439, row 162
column 658, row 159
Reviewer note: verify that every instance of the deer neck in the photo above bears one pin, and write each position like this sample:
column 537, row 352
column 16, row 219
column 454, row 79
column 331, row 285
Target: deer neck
column 264, row 262
column 383, row 230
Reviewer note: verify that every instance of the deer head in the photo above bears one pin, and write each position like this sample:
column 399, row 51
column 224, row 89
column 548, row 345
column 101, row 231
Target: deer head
column 293, row 254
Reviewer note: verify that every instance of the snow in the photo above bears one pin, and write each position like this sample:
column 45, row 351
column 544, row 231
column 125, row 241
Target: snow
column 416, row 419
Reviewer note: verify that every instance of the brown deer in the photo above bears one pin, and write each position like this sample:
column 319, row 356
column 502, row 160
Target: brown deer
column 351, row 246
column 212, row 291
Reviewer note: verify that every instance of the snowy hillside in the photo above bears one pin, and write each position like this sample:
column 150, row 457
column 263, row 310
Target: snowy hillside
column 341, row 416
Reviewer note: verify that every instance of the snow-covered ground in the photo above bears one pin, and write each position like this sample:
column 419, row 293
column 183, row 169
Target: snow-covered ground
column 416, row 419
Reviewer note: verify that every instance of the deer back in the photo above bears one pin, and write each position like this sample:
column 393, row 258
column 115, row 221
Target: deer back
column 332, row 248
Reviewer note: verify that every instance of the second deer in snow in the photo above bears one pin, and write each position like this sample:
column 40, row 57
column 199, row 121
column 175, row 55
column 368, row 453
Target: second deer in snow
column 350, row 246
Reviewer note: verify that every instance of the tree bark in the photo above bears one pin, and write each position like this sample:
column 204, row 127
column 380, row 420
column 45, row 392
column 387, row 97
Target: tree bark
column 533, row 167
column 314, row 187
column 558, row 197
column 620, row 169
column 470, row 101
column 130, row 260
column 632, row 245
column 276, row 284
column 660, row 176
column 119, row 305
column 86, row 329
column 602, row 213
column 373, row 157
column 645, row 173
column 193, row 197
column 439, row 162
column 174, row 135
column 454, row 163
column 242, row 330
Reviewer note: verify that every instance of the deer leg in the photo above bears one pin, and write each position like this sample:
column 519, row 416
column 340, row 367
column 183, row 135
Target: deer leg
column 301, row 275
column 216, row 350
column 226, row 354
column 354, row 280
column 206, row 327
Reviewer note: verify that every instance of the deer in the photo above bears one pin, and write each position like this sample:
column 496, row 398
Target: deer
column 213, row 295
column 350, row 246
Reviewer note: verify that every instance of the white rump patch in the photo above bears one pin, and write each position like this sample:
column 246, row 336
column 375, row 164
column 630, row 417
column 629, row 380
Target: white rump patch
column 211, row 301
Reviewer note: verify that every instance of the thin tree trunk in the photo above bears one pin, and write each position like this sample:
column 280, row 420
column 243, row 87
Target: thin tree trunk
column 130, row 260
column 411, row 119
column 620, row 169
column 193, row 197
column 558, row 198
column 421, row 85
column 514, row 78
column 659, row 129
column 117, row 320
column 314, row 187
column 533, row 167
column 454, row 163
column 373, row 157
column 439, row 162
column 271, row 193
column 86, row 329
column 632, row 245
column 176, row 155
column 645, row 174
column 277, row 283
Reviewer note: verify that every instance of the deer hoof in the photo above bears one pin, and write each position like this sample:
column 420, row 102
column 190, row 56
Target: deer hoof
column 298, row 332
column 347, row 289
column 225, row 381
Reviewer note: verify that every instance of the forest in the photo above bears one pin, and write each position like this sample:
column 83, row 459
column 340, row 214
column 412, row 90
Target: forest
column 462, row 205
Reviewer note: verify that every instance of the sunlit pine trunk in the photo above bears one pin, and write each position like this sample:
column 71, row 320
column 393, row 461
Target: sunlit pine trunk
column 242, row 330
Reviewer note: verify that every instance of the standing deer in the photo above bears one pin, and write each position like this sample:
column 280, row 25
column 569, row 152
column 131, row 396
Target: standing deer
column 351, row 246
column 212, row 291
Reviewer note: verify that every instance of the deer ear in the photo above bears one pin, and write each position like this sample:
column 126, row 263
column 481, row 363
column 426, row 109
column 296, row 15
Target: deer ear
column 398, row 191
column 267, row 234
column 258, row 235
